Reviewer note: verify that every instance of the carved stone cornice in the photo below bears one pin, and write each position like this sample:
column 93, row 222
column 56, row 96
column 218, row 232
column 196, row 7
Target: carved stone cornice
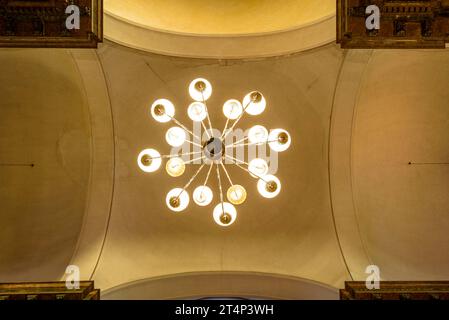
column 48, row 291
column 403, row 24
column 41, row 23
column 397, row 290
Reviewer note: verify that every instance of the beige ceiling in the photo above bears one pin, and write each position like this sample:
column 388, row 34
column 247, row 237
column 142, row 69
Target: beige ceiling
column 402, row 116
column 43, row 121
column 349, row 196
column 221, row 17
column 291, row 235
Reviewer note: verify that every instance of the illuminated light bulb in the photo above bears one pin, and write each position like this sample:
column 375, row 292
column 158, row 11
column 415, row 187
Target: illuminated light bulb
column 225, row 217
column 177, row 199
column 258, row 167
column 149, row 160
column 197, row 111
column 203, row 196
column 175, row 136
column 162, row 110
column 255, row 103
column 232, row 109
column 236, row 194
column 280, row 140
column 258, row 134
column 175, row 167
column 200, row 89
column 269, row 187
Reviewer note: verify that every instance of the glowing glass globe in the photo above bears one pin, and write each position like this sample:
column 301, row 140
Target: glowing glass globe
column 200, row 89
column 280, row 140
column 197, row 111
column 232, row 109
column 255, row 103
column 149, row 160
column 258, row 134
column 269, row 187
column 236, row 194
column 177, row 199
column 175, row 167
column 162, row 110
column 258, row 167
column 203, row 196
column 225, row 217
column 175, row 136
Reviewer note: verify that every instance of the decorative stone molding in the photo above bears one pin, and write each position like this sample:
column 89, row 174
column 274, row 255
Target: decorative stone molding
column 285, row 42
column 43, row 23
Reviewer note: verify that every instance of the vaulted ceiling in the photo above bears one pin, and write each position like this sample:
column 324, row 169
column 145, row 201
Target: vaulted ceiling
column 350, row 197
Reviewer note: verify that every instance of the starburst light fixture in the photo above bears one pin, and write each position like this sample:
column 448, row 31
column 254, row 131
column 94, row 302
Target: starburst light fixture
column 213, row 150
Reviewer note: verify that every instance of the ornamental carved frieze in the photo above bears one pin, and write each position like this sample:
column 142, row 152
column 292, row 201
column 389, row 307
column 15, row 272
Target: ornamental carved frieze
column 392, row 23
column 395, row 290
column 51, row 23
column 82, row 290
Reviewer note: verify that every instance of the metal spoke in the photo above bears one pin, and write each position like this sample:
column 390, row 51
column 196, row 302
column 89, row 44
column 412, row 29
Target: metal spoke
column 254, row 143
column 207, row 111
column 238, row 119
column 205, row 129
column 184, row 127
column 247, row 170
column 164, row 156
column 235, row 159
column 225, row 127
column 194, row 143
column 235, row 143
column 191, row 180
column 208, row 173
column 227, row 174
column 193, row 160
column 221, row 189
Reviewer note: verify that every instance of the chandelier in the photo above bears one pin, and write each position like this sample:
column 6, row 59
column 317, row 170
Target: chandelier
column 213, row 150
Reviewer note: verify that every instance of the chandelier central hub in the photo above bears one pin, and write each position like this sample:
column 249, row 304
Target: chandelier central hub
column 214, row 149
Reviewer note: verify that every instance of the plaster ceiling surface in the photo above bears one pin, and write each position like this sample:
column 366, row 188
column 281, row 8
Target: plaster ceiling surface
column 397, row 114
column 292, row 234
column 43, row 121
column 402, row 116
column 221, row 17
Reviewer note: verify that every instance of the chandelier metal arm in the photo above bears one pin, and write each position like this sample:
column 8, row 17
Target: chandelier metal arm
column 205, row 130
column 225, row 127
column 226, row 172
column 208, row 173
column 193, row 160
column 207, row 111
column 194, row 143
column 221, row 188
column 183, row 126
column 237, row 120
column 254, row 143
column 165, row 156
column 237, row 142
column 191, row 180
column 235, row 159
column 247, row 170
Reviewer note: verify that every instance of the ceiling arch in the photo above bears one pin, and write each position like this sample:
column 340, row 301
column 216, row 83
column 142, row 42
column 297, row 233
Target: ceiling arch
column 221, row 29
column 222, row 284
column 215, row 17
column 44, row 120
column 390, row 109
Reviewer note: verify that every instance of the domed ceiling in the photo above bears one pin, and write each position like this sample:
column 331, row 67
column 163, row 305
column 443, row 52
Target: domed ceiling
column 44, row 122
column 220, row 29
column 349, row 196
column 221, row 17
